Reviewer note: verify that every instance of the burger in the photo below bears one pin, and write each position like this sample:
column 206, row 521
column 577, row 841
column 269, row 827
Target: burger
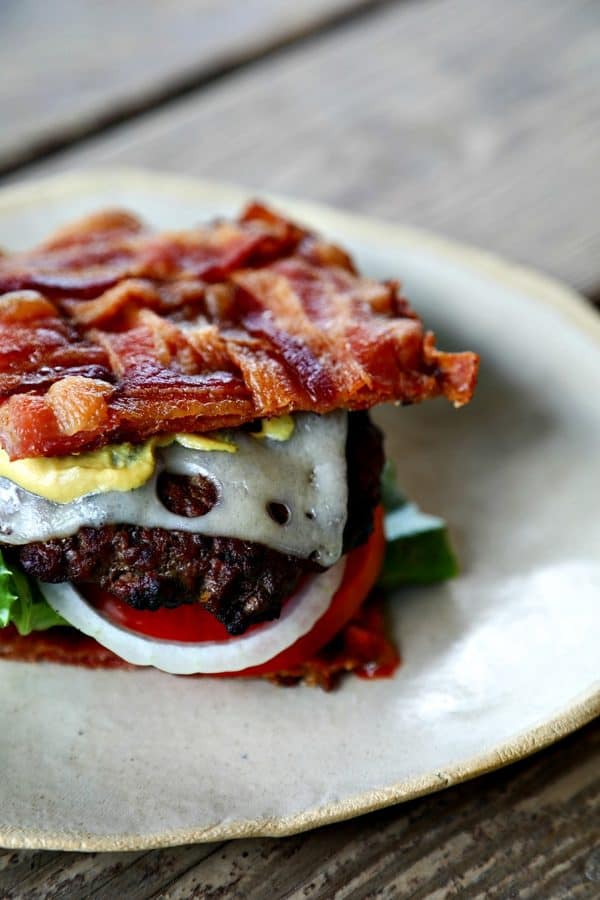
column 189, row 475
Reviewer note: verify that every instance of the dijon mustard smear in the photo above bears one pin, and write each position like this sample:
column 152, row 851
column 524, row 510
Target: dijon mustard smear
column 117, row 467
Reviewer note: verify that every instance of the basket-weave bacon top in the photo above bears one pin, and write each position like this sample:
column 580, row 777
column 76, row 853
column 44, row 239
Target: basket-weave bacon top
column 109, row 332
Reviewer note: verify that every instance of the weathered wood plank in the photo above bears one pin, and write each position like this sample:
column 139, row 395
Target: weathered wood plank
column 133, row 876
column 72, row 64
column 527, row 831
column 472, row 117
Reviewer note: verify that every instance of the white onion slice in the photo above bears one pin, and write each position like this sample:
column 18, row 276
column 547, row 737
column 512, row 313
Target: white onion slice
column 262, row 644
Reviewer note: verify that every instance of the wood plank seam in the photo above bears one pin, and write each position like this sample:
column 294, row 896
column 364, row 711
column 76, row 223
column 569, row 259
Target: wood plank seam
column 185, row 84
column 416, row 135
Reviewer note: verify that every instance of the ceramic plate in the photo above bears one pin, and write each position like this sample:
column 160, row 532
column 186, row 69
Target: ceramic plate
column 497, row 663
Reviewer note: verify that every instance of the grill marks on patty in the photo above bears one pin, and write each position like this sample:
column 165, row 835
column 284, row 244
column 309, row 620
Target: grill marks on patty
column 240, row 582
column 187, row 495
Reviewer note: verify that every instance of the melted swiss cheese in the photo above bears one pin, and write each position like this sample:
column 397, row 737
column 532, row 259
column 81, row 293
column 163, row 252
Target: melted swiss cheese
column 302, row 467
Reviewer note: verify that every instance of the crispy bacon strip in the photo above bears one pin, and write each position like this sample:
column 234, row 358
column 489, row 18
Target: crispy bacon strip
column 109, row 332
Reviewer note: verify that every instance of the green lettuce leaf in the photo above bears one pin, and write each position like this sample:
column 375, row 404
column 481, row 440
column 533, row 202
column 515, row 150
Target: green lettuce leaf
column 418, row 547
column 21, row 603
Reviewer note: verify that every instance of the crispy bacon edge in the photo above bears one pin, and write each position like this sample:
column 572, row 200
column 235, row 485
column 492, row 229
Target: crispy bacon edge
column 282, row 323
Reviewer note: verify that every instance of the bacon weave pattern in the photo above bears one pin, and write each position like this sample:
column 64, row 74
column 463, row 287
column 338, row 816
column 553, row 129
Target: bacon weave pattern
column 110, row 332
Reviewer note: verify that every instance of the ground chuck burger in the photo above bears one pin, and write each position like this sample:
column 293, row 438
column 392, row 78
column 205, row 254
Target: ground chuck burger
column 188, row 471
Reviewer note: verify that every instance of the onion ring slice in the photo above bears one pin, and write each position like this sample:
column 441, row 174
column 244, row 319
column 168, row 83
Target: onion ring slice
column 260, row 645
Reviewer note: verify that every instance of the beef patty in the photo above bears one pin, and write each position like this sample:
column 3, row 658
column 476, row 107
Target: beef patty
column 239, row 582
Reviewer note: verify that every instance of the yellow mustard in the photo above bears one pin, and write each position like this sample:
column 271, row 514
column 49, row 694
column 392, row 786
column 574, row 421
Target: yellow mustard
column 118, row 467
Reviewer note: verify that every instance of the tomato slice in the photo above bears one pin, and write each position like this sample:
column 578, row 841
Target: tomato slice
column 191, row 623
column 362, row 569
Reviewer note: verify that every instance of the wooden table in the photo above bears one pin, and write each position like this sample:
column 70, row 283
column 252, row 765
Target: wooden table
column 472, row 117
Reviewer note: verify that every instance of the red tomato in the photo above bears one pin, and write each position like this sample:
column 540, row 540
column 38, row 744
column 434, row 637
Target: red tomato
column 191, row 623
column 362, row 568
column 188, row 623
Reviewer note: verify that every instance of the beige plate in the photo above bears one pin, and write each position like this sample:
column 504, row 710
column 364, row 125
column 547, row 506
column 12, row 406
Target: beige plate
column 497, row 664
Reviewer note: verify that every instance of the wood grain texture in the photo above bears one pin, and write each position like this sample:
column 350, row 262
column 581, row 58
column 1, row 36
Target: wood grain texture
column 475, row 118
column 529, row 831
column 71, row 65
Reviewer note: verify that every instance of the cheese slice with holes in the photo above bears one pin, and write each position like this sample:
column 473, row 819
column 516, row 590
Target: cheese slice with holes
column 305, row 474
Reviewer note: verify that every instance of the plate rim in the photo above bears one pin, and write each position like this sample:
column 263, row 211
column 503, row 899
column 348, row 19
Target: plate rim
column 525, row 744
column 543, row 289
